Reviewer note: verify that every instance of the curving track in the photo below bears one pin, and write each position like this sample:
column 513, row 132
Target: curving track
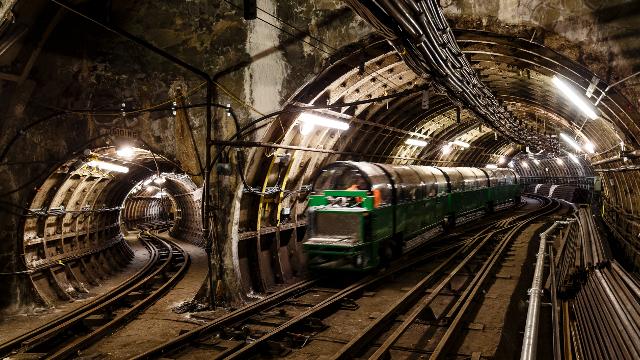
column 63, row 337
column 286, row 321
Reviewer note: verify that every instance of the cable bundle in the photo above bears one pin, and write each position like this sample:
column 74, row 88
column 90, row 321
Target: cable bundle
column 422, row 36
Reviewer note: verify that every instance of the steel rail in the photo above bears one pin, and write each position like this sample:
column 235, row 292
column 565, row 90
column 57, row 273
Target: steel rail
column 17, row 342
column 409, row 298
column 227, row 320
column 530, row 341
column 174, row 251
column 351, row 290
column 335, row 300
column 441, row 348
column 239, row 315
column 165, row 256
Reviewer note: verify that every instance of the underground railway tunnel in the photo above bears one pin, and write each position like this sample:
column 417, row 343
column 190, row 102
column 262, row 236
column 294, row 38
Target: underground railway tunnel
column 304, row 179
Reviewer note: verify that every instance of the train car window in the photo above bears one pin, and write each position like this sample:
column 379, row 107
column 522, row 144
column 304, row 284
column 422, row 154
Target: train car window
column 380, row 183
column 340, row 177
column 468, row 177
column 481, row 177
column 493, row 178
column 455, row 178
column 440, row 179
column 510, row 178
column 430, row 180
column 409, row 182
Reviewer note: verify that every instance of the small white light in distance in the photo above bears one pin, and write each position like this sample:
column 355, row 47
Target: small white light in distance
column 570, row 141
column 416, row 142
column 446, row 149
column 309, row 121
column 491, row 166
column 159, row 180
column 525, row 164
column 559, row 161
column 536, row 161
column 574, row 158
column 576, row 98
column 125, row 152
column 589, row 147
column 546, row 169
column 461, row 143
column 107, row 166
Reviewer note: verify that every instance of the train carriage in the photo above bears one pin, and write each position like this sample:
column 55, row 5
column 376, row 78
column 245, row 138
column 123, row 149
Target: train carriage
column 361, row 214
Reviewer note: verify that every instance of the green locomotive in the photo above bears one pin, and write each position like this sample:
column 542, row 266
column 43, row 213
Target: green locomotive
column 361, row 214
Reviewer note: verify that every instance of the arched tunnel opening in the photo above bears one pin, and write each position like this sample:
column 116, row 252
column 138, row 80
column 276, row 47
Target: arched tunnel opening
column 239, row 154
column 75, row 228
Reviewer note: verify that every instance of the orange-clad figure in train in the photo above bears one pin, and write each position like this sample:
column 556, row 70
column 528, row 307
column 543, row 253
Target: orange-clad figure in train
column 377, row 198
column 355, row 187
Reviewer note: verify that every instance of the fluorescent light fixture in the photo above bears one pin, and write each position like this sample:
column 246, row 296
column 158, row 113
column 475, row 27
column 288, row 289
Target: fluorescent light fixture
column 125, row 152
column 491, row 166
column 589, row 147
column 309, row 121
column 152, row 188
column 461, row 143
column 576, row 98
column 148, row 181
column 159, row 180
column 107, row 166
column 559, row 161
column 574, row 158
column 416, row 142
column 570, row 141
column 446, row 149
column 536, row 161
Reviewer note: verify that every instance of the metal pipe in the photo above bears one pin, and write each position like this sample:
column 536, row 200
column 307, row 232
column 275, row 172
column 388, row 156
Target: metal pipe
column 555, row 315
column 530, row 340
column 615, row 84
column 249, row 144
column 209, row 81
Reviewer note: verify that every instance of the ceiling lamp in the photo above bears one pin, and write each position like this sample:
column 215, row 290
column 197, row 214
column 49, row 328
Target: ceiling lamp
column 159, row 180
column 576, row 98
column 107, row 166
column 125, row 152
column 446, row 149
column 461, row 143
column 536, row 161
column 491, row 166
column 570, row 141
column 574, row 159
column 525, row 164
column 416, row 142
column 502, row 160
column 589, row 147
column 559, row 161
column 309, row 121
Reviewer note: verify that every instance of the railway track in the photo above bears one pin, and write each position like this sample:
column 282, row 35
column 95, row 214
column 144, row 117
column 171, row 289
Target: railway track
column 286, row 321
column 65, row 336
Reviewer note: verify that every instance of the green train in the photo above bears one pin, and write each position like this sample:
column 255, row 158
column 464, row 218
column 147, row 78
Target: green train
column 361, row 214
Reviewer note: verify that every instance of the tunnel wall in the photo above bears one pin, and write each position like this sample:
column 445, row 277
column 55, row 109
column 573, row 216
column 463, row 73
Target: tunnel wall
column 257, row 67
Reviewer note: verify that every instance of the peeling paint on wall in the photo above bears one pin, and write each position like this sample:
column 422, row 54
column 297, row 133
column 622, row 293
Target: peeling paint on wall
column 264, row 77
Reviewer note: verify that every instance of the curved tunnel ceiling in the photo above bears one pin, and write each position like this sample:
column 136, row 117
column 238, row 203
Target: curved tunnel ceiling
column 518, row 71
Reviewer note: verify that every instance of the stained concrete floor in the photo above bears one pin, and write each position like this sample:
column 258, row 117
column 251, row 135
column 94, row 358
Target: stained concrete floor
column 158, row 323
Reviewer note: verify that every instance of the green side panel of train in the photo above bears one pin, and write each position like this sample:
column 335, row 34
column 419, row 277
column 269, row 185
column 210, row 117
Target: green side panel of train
column 352, row 230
